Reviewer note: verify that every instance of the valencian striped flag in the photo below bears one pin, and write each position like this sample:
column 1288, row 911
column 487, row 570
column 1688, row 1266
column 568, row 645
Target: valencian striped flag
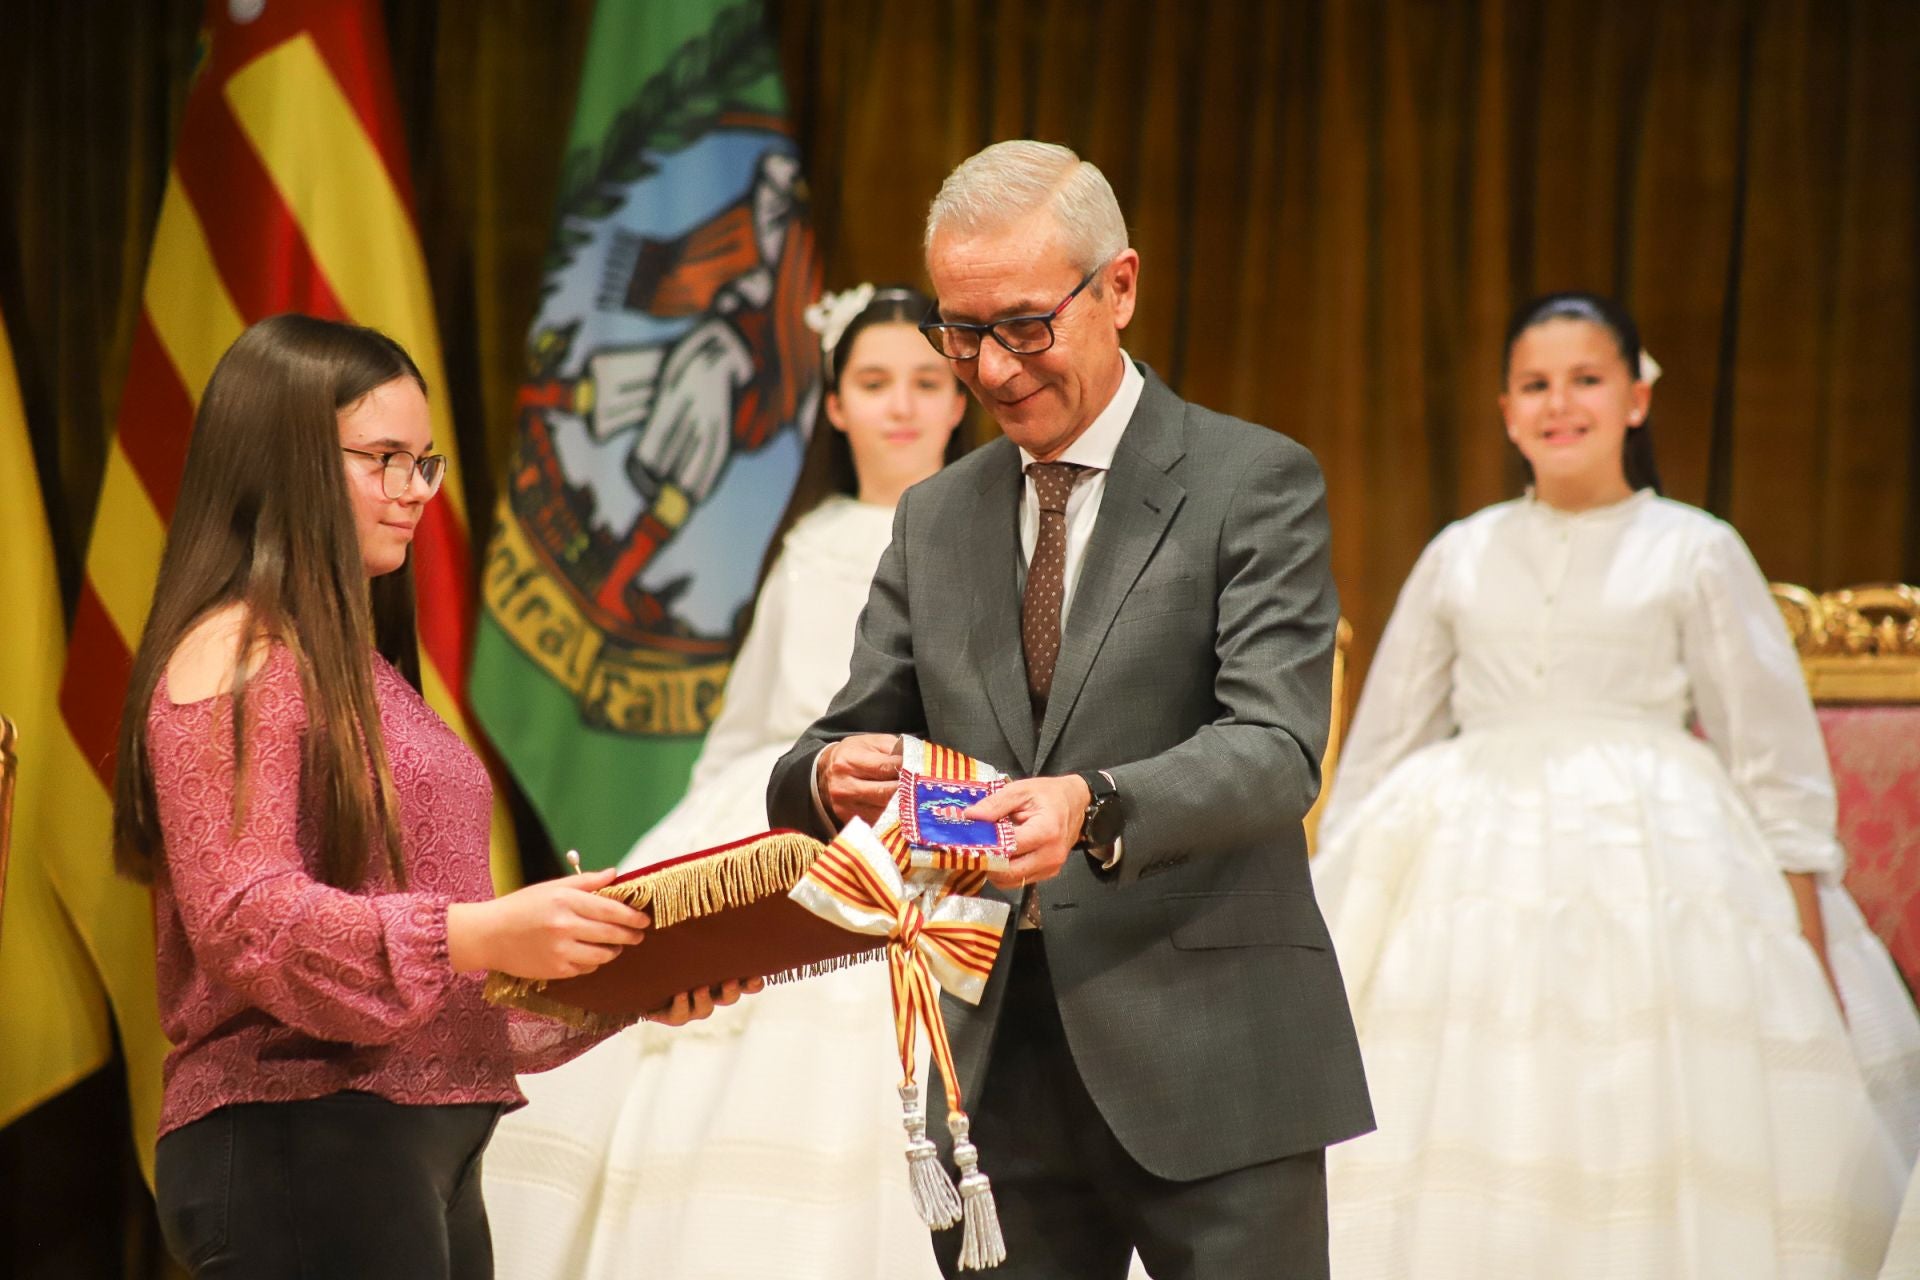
column 53, row 1010
column 289, row 191
column 671, row 383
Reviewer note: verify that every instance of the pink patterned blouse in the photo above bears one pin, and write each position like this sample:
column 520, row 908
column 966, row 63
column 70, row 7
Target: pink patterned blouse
column 275, row 986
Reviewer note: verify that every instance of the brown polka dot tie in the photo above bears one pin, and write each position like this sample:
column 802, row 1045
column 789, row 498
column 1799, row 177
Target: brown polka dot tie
column 1047, row 575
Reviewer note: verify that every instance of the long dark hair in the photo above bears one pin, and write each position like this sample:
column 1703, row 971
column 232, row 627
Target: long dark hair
column 264, row 520
column 1636, row 452
column 827, row 468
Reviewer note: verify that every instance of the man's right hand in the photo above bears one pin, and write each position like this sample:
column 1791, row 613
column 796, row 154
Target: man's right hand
column 859, row 775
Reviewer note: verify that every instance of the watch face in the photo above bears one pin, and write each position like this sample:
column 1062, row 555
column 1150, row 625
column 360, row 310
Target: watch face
column 1100, row 823
column 1094, row 827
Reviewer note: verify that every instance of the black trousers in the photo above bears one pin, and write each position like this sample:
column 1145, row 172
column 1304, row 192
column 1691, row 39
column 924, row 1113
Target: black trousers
column 349, row 1186
column 1074, row 1204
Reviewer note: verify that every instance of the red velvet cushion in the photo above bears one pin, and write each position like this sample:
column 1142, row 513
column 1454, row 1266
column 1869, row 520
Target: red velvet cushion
column 774, row 935
column 718, row 914
column 1875, row 752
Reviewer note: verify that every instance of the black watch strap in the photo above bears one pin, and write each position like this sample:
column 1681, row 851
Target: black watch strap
column 1101, row 824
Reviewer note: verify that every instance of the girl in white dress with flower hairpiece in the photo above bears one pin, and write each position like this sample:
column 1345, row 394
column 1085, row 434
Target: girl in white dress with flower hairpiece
column 1594, row 956
column 769, row 1143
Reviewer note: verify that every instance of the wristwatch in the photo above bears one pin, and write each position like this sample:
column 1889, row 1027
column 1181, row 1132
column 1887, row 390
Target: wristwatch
column 1100, row 825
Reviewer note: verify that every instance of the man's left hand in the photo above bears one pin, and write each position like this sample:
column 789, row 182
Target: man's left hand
column 1046, row 815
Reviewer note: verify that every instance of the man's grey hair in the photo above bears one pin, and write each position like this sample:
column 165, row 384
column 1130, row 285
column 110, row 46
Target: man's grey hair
column 1009, row 180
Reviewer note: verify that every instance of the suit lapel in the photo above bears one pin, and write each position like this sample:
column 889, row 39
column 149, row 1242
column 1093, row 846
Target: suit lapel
column 995, row 642
column 1135, row 509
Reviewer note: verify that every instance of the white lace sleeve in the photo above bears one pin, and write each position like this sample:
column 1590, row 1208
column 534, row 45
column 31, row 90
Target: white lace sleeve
column 1751, row 698
column 1407, row 702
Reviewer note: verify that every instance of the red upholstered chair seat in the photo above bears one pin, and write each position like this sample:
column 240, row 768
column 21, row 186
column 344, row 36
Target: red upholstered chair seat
column 1875, row 753
column 1860, row 649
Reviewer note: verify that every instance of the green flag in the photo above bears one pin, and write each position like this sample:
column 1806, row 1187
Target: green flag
column 671, row 384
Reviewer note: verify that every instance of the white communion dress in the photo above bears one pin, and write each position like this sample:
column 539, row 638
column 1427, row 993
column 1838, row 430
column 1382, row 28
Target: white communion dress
column 1597, row 1043
column 765, row 1141
column 1903, row 1255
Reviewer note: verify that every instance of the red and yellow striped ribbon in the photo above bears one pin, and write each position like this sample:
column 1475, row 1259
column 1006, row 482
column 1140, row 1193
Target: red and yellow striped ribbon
column 945, row 762
column 894, row 838
column 856, row 884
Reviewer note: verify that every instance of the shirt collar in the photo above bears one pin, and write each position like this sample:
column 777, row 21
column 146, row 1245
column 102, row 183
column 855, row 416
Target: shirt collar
column 1096, row 446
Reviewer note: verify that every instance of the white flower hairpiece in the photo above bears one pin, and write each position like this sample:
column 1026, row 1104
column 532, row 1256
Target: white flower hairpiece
column 830, row 316
column 1649, row 367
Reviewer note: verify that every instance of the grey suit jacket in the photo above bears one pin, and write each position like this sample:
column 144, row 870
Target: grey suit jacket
column 1198, row 986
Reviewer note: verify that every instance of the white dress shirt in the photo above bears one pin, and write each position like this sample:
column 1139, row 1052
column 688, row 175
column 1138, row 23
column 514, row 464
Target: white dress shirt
column 1093, row 449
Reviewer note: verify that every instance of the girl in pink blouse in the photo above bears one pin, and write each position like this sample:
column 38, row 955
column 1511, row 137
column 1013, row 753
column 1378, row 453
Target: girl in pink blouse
column 316, row 839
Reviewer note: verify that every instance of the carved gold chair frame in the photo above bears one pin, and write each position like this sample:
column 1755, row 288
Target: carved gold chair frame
column 1859, row 645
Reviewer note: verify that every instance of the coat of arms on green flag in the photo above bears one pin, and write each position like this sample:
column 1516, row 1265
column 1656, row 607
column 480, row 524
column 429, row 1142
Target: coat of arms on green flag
column 671, row 383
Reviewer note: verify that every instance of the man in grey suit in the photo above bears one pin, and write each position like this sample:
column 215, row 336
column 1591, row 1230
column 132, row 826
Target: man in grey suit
column 1126, row 604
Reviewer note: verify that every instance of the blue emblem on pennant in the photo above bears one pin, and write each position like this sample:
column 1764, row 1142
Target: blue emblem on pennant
column 932, row 808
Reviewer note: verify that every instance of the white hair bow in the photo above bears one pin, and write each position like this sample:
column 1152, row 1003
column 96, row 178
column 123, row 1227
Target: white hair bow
column 830, row 316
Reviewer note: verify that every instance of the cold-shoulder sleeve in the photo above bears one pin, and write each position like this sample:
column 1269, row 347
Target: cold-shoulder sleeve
column 1407, row 702
column 364, row 969
column 1752, row 702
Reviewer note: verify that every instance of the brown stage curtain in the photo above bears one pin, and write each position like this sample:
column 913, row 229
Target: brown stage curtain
column 1337, row 205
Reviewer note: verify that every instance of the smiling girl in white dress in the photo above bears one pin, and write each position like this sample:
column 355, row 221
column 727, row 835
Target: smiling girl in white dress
column 1594, row 956
column 768, row 1145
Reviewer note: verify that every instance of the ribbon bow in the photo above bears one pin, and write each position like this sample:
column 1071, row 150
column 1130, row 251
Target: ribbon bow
column 952, row 939
column 855, row 884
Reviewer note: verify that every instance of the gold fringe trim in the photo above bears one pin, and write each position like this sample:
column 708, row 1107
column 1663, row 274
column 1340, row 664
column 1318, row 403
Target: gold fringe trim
column 834, row 965
column 682, row 892
column 524, row 993
column 689, row 890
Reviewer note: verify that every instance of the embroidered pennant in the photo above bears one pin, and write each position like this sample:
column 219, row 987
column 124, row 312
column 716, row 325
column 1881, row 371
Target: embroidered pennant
column 933, row 811
column 937, row 786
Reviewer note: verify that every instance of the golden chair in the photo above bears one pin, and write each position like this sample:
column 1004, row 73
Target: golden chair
column 1336, row 729
column 1860, row 650
column 9, row 766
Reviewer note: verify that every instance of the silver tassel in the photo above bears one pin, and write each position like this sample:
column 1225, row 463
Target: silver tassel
column 934, row 1197
column 983, row 1245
